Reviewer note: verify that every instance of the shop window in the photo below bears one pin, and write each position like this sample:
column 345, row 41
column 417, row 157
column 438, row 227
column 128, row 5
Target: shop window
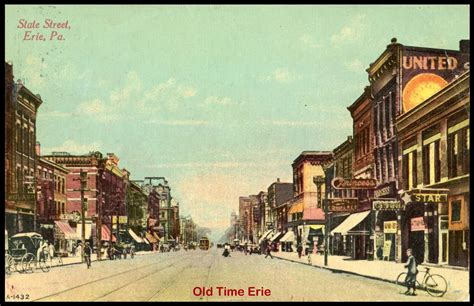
column 431, row 163
column 409, row 172
column 456, row 211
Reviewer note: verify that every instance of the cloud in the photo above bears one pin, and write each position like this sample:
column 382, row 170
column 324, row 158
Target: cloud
column 73, row 147
column 290, row 123
column 308, row 40
column 356, row 65
column 55, row 114
column 179, row 122
column 350, row 32
column 122, row 96
column 168, row 95
column 97, row 108
column 214, row 100
column 281, row 75
column 34, row 72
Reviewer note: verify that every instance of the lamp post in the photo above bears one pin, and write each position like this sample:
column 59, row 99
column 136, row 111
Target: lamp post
column 319, row 181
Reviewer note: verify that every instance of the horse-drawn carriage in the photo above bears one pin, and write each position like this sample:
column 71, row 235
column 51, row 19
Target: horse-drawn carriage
column 21, row 254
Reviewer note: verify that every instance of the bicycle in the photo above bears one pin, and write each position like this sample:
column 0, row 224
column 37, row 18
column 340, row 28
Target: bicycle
column 434, row 284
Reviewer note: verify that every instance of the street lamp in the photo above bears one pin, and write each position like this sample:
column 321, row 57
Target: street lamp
column 319, row 180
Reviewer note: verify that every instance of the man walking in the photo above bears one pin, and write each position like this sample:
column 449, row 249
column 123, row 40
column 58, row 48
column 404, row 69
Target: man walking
column 411, row 273
column 268, row 251
column 300, row 250
column 87, row 254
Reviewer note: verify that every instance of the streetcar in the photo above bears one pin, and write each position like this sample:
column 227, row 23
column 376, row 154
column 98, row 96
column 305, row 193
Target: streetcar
column 204, row 243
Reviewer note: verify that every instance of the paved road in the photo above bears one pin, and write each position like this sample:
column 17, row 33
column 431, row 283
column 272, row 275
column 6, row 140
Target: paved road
column 174, row 277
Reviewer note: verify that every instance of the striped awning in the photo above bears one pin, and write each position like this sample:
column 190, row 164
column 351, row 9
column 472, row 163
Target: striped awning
column 69, row 233
column 135, row 236
column 106, row 234
column 150, row 238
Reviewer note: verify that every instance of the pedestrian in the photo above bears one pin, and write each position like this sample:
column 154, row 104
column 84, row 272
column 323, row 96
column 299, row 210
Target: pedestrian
column 87, row 254
column 412, row 271
column 245, row 249
column 79, row 250
column 299, row 249
column 315, row 248
column 51, row 252
column 42, row 248
column 74, row 246
column 125, row 252
column 268, row 251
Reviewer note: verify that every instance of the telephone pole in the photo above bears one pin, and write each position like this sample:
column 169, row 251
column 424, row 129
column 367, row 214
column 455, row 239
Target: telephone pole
column 83, row 179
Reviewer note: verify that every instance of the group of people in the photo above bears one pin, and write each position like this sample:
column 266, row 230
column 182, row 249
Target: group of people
column 45, row 251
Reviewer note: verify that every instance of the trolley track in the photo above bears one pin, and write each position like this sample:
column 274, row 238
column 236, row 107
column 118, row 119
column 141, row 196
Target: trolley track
column 167, row 260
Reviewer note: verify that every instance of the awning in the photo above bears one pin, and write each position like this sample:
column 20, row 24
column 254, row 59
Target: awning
column 352, row 221
column 315, row 230
column 150, row 238
column 296, row 208
column 69, row 233
column 106, row 234
column 276, row 237
column 264, row 236
column 288, row 237
column 135, row 236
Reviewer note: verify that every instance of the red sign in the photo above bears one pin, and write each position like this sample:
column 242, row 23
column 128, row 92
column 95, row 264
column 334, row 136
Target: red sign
column 340, row 183
column 417, row 224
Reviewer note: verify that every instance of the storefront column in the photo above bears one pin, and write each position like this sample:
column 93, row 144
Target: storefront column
column 398, row 238
column 426, row 240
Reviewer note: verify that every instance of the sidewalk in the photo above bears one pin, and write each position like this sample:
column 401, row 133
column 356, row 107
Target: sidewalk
column 72, row 260
column 458, row 280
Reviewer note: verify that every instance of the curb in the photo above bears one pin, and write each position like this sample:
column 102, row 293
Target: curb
column 341, row 271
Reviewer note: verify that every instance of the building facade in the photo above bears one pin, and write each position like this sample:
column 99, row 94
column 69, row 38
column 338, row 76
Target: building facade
column 20, row 159
column 306, row 209
column 434, row 175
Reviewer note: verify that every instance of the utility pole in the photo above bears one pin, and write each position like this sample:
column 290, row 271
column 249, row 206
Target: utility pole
column 83, row 179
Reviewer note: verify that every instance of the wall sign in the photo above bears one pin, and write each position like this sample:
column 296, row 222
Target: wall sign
column 390, row 227
column 417, row 224
column 425, row 72
column 385, row 190
column 343, row 204
column 388, row 204
column 340, row 183
column 429, row 198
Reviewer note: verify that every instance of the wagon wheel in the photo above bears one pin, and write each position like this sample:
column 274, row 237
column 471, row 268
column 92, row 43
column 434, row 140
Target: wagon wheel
column 10, row 264
column 27, row 262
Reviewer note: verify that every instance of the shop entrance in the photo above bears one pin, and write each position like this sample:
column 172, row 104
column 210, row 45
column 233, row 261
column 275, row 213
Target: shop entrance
column 443, row 240
column 416, row 242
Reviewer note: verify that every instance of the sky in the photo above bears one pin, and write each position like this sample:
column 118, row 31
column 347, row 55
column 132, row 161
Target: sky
column 218, row 99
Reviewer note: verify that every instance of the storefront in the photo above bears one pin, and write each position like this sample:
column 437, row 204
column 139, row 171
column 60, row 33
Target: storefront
column 288, row 241
column 355, row 234
column 64, row 237
column 386, row 207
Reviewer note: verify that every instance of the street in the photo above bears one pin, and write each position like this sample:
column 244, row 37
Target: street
column 178, row 276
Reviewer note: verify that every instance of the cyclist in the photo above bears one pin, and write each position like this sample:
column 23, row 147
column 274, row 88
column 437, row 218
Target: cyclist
column 411, row 273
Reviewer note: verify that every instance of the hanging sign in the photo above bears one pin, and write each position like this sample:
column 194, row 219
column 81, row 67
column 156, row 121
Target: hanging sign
column 417, row 224
column 341, row 183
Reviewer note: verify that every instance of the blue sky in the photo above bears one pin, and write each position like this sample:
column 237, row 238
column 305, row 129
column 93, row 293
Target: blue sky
column 218, row 99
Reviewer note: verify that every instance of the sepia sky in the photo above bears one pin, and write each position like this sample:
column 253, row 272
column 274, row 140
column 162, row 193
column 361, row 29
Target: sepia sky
column 218, row 99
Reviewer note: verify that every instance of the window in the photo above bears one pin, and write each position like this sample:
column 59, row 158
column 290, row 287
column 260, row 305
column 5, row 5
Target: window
column 387, row 113
column 458, row 144
column 456, row 211
column 431, row 163
column 409, row 168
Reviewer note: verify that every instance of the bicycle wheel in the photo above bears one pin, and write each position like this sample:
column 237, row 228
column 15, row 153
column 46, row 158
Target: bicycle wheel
column 27, row 262
column 436, row 285
column 45, row 264
column 401, row 284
